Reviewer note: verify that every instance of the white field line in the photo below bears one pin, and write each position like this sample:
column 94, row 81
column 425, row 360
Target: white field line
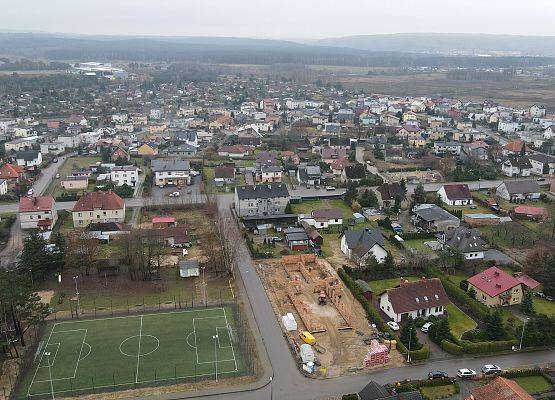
column 139, row 350
column 40, row 360
column 52, row 360
column 145, row 315
column 129, row 384
column 80, row 351
column 230, row 340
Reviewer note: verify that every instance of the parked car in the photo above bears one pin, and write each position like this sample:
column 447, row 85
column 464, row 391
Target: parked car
column 330, row 188
column 30, row 192
column 491, row 369
column 55, row 159
column 426, row 327
column 57, row 176
column 175, row 194
column 393, row 325
column 276, row 239
column 540, row 179
column 437, row 375
column 466, row 373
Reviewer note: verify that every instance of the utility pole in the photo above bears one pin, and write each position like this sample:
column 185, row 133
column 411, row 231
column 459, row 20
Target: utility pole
column 410, row 340
column 522, row 334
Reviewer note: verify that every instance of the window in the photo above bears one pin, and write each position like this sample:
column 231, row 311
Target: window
column 483, row 297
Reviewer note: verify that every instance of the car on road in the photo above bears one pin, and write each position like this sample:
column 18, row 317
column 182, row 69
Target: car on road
column 491, row 369
column 57, row 176
column 330, row 188
column 393, row 325
column 175, row 194
column 189, row 191
column 30, row 192
column 426, row 327
column 55, row 159
column 435, row 374
column 466, row 373
column 541, row 179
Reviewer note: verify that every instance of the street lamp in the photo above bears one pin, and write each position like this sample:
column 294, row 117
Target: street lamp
column 215, row 337
column 410, row 340
column 48, row 354
column 522, row 334
column 77, row 294
column 271, row 388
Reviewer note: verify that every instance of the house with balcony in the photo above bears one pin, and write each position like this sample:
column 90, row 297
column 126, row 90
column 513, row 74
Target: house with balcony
column 175, row 172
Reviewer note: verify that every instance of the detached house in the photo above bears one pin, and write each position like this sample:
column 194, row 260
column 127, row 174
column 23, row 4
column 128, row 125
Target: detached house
column 516, row 166
column 495, row 287
column 28, row 158
column 12, row 174
column 455, row 195
column 467, row 241
column 174, row 172
column 361, row 244
column 323, row 218
column 353, row 173
column 499, row 389
column 125, row 175
column 98, row 207
column 523, row 189
column 414, row 299
column 388, row 192
column 37, row 212
column 224, row 175
column 542, row 164
column 309, row 174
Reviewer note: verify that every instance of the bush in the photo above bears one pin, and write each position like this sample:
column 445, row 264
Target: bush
column 352, row 396
column 520, row 373
column 418, row 235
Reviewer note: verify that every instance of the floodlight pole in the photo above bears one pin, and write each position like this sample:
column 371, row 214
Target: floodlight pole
column 77, row 294
column 215, row 337
column 47, row 354
column 271, row 388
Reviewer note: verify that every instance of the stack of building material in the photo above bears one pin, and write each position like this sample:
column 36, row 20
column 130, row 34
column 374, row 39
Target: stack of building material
column 289, row 322
column 377, row 354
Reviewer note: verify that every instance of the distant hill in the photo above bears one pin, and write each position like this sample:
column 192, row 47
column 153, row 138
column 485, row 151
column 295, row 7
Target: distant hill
column 230, row 50
column 447, row 43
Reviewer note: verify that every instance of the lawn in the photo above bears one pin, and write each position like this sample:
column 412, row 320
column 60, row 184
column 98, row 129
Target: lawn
column 542, row 306
column 67, row 167
column 382, row 285
column 306, row 207
column 534, row 384
column 83, row 356
column 438, row 392
column 326, row 246
column 459, row 321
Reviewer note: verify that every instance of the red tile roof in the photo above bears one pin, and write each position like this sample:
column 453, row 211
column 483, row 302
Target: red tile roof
column 163, row 220
column 411, row 296
column 9, row 171
column 500, row 389
column 493, row 281
column 516, row 146
column 34, row 204
column 532, row 211
column 99, row 200
column 528, row 281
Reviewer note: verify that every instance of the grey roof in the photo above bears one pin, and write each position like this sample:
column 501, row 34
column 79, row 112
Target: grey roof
column 363, row 240
column 517, row 161
column 184, row 147
column 432, row 212
column 466, row 240
column 543, row 158
column 363, row 285
column 296, row 236
column 375, row 391
column 522, row 186
column 270, row 168
column 268, row 191
column 170, row 165
column 28, row 155
column 185, row 136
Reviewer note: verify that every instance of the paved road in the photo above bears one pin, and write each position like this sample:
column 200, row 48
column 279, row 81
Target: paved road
column 48, row 174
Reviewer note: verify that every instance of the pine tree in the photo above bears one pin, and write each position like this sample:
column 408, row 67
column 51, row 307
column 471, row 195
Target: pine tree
column 406, row 334
column 527, row 305
column 419, row 194
column 494, row 326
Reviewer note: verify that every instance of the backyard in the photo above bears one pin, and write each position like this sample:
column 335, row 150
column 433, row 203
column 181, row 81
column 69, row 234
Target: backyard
column 69, row 165
column 382, row 285
column 459, row 322
column 534, row 384
column 438, row 392
column 306, row 207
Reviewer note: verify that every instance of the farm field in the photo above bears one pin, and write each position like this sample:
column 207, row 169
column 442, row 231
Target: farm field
column 135, row 351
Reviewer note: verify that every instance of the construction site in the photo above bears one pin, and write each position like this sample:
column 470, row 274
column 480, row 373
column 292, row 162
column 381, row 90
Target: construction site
column 308, row 297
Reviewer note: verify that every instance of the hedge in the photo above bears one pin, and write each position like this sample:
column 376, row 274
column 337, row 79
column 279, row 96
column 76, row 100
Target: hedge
column 478, row 310
column 519, row 373
column 487, row 347
column 451, row 348
column 418, row 235
column 375, row 316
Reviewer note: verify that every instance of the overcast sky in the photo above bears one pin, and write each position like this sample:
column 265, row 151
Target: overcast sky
column 279, row 18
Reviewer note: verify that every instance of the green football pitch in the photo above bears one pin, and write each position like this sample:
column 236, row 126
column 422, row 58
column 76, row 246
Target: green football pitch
column 135, row 351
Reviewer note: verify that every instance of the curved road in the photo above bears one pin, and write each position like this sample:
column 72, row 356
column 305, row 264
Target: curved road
column 289, row 384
